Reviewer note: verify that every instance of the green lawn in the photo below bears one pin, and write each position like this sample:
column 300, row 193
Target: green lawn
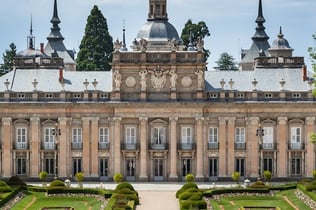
column 234, row 203
column 79, row 203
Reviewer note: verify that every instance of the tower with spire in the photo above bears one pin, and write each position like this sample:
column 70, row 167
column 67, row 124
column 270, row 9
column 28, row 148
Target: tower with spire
column 260, row 44
column 55, row 46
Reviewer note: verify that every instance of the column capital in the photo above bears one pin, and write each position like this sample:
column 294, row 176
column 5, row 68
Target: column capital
column 253, row 120
column 117, row 120
column 63, row 120
column 143, row 119
column 310, row 120
column 6, row 120
column 199, row 119
column 34, row 119
column 222, row 121
column 282, row 120
column 173, row 119
column 231, row 120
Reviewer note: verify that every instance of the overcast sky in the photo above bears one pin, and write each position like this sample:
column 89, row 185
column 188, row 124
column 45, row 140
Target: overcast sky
column 231, row 22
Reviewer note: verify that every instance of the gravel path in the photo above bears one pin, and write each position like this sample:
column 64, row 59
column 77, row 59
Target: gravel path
column 158, row 200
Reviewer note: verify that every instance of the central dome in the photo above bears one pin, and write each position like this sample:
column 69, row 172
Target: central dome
column 158, row 30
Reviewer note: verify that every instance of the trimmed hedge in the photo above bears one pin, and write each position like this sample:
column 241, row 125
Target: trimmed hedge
column 4, row 187
column 210, row 193
column 190, row 196
column 15, row 180
column 6, row 199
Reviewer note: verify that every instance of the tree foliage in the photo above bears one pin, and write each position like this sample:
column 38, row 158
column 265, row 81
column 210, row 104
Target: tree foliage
column 95, row 50
column 226, row 62
column 312, row 54
column 198, row 30
column 8, row 58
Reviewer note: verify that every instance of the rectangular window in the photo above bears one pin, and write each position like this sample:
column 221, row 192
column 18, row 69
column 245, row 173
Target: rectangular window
column 103, row 167
column 295, row 135
column 21, row 135
column 240, row 166
column 213, row 135
column 296, row 166
column 76, row 164
column 77, row 135
column 21, row 166
column 49, row 166
column 104, row 135
column 158, row 135
column 240, row 135
column 213, row 167
column 267, row 138
column 268, row 164
column 186, row 135
column 131, row 135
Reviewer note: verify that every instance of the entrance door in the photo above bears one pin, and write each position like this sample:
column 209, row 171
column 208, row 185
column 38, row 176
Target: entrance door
column 186, row 166
column 77, row 167
column 130, row 169
column 103, row 169
column 240, row 166
column 158, row 169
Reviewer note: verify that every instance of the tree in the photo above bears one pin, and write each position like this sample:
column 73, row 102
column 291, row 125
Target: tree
column 199, row 30
column 312, row 53
column 95, row 50
column 8, row 58
column 226, row 62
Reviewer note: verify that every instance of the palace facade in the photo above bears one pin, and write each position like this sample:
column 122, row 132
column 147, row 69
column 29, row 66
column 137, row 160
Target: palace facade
column 159, row 115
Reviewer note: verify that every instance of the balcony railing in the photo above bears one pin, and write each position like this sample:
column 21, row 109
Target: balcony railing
column 213, row 145
column 296, row 146
column 130, row 146
column 48, row 146
column 240, row 146
column 162, row 146
column 186, row 146
column 76, row 145
column 21, row 146
column 104, row 146
column 268, row 146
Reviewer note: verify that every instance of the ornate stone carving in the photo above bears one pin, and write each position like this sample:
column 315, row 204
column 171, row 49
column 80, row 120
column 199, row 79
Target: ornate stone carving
column 200, row 79
column 158, row 78
column 173, row 79
column 117, row 77
column 143, row 80
column 130, row 81
column 186, row 81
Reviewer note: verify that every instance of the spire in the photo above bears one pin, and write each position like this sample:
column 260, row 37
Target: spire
column 260, row 35
column 55, row 30
column 31, row 38
column 157, row 10
column 280, row 35
column 260, row 18
column 124, row 42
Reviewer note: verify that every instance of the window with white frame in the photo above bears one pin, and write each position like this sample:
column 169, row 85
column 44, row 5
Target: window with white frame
column 130, row 135
column 158, row 135
column 186, row 135
column 104, row 135
column 21, row 138
column 213, row 135
column 296, row 135
column 49, row 138
column 76, row 135
column 240, row 135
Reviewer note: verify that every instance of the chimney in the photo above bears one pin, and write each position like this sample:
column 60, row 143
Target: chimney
column 304, row 72
column 61, row 74
column 42, row 47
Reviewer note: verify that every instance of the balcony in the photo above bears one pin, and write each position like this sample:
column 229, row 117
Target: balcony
column 76, row 145
column 104, row 146
column 296, row 146
column 130, row 146
column 186, row 146
column 21, row 146
column 162, row 146
column 213, row 146
column 240, row 146
column 48, row 146
column 268, row 146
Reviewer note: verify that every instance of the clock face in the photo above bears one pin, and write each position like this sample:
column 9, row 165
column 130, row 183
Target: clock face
column 186, row 81
column 130, row 81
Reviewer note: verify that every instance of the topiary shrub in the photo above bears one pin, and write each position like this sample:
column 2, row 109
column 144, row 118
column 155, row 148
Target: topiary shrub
column 4, row 187
column 118, row 178
column 79, row 177
column 57, row 183
column 258, row 184
column 189, row 178
column 15, row 180
column 123, row 185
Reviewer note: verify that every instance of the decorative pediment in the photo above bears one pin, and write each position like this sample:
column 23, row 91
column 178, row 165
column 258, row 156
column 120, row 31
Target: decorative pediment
column 297, row 121
column 158, row 122
column 268, row 122
column 49, row 123
column 21, row 122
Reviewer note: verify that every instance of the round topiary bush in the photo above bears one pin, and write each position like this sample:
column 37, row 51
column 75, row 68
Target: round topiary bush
column 118, row 178
column 123, row 185
column 189, row 178
column 57, row 183
column 258, row 184
column 15, row 180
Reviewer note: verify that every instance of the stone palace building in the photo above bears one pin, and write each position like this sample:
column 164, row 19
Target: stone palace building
column 159, row 114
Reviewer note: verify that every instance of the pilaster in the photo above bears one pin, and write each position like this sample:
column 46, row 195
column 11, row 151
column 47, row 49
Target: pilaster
column 253, row 147
column 310, row 147
column 143, row 149
column 117, row 144
column 35, row 142
column 63, row 149
column 7, row 146
column 199, row 148
column 86, row 141
column 231, row 145
column 282, row 146
column 173, row 176
column 222, row 148
column 94, row 147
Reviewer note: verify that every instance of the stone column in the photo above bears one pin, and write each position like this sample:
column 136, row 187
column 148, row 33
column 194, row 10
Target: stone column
column 63, row 148
column 222, row 164
column 143, row 149
column 94, row 147
column 173, row 176
column 86, row 161
column 282, row 146
column 231, row 146
column 35, row 143
column 252, row 142
column 7, row 146
column 199, row 148
column 310, row 147
column 117, row 144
